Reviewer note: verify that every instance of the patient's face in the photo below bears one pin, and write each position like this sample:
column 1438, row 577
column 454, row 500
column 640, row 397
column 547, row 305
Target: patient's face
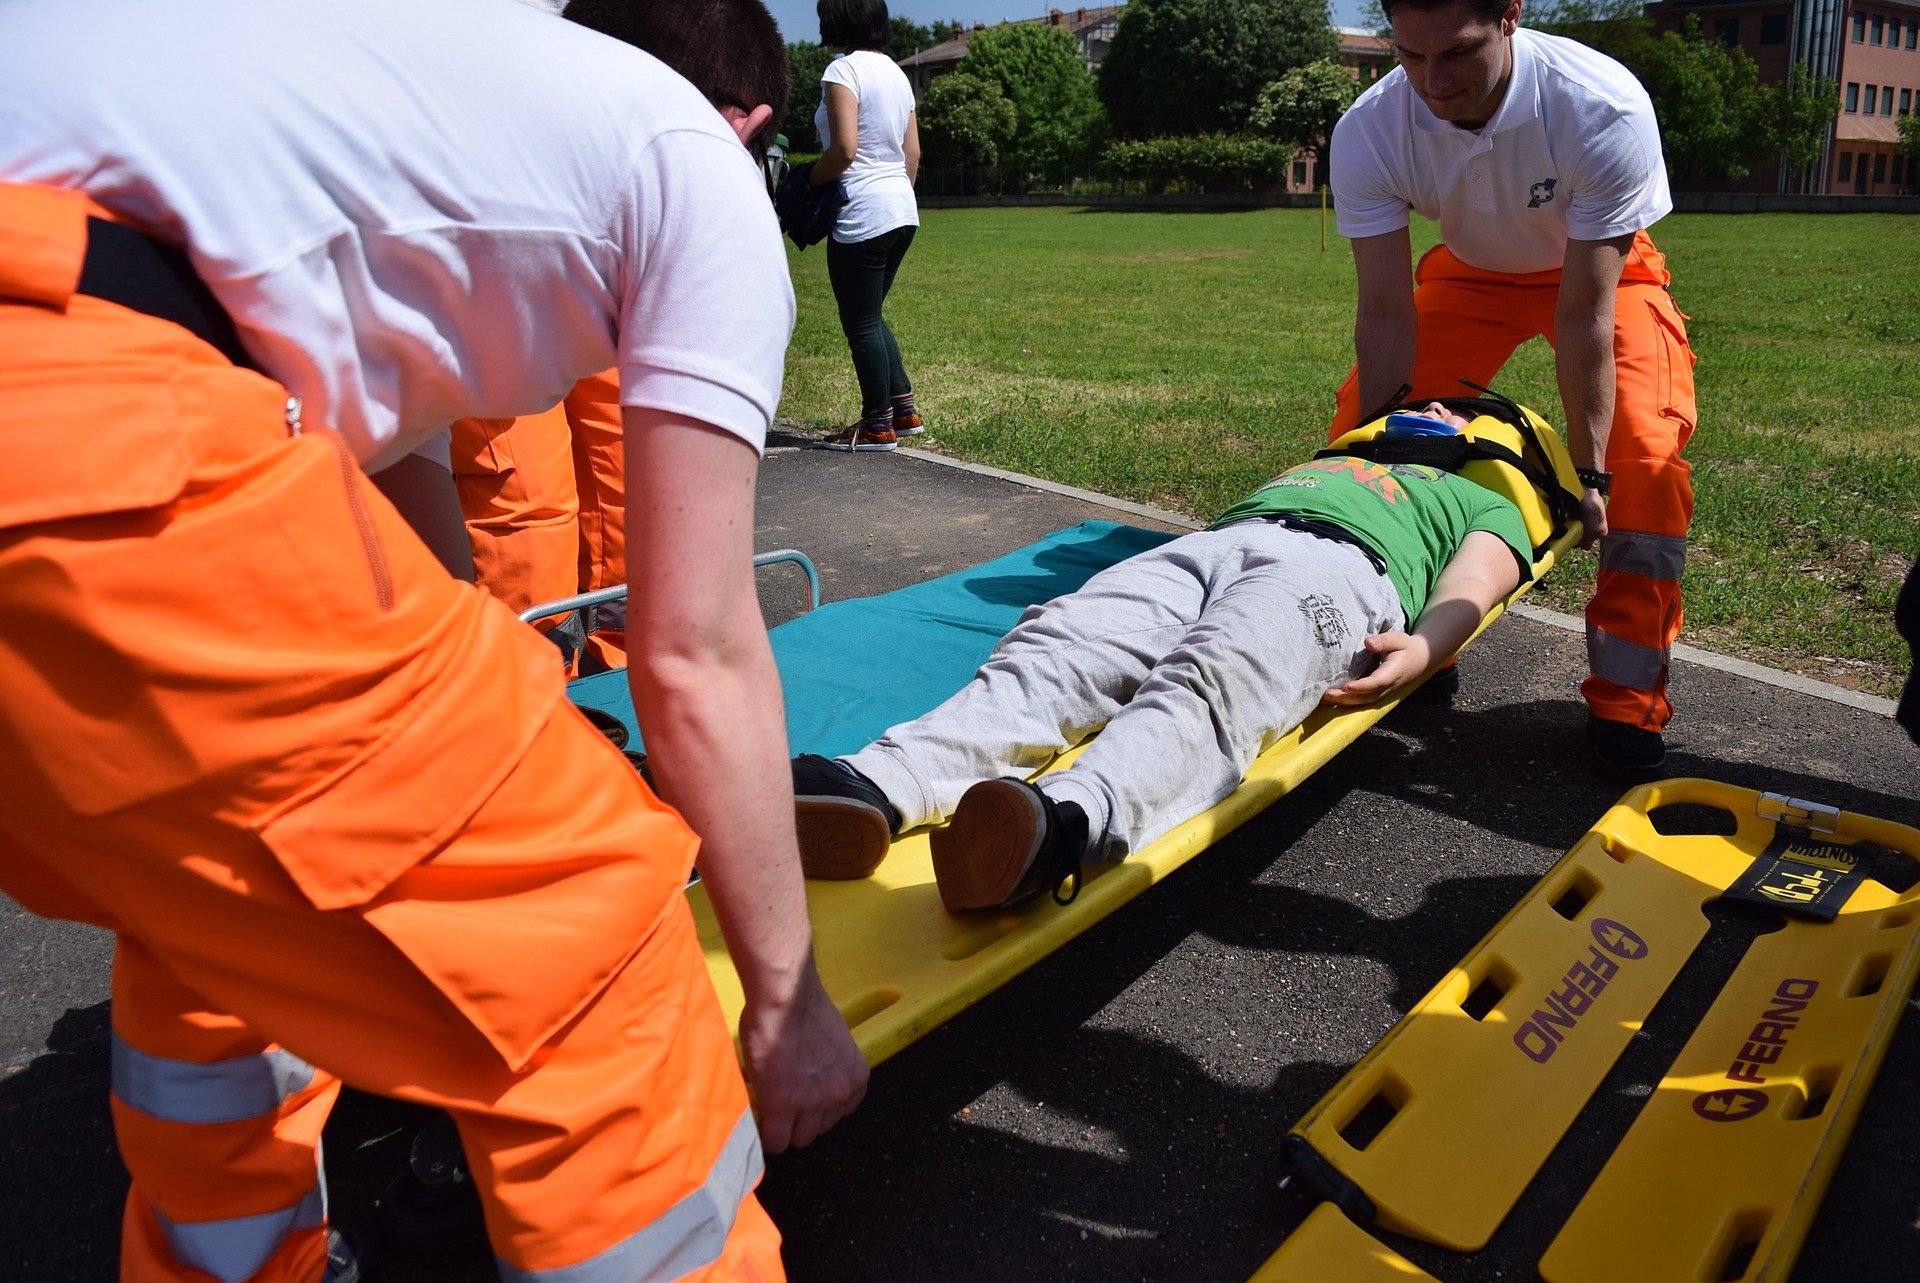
column 1434, row 410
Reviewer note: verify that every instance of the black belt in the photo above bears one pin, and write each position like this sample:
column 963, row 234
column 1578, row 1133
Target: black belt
column 1327, row 530
column 136, row 271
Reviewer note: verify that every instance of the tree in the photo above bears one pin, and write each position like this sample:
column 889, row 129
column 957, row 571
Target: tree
column 965, row 122
column 1039, row 69
column 1302, row 107
column 908, row 38
column 1714, row 115
column 1800, row 111
column 1618, row 28
column 1196, row 66
column 1909, row 144
column 807, row 61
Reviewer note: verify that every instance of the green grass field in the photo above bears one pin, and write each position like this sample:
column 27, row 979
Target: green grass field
column 1181, row 359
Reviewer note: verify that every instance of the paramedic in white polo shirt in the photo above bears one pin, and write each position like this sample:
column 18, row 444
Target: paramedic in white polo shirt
column 333, row 802
column 1541, row 161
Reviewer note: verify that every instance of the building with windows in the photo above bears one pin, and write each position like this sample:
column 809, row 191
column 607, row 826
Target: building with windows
column 1869, row 48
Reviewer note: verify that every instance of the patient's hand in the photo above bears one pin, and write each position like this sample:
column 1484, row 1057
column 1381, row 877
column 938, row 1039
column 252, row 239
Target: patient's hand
column 1400, row 658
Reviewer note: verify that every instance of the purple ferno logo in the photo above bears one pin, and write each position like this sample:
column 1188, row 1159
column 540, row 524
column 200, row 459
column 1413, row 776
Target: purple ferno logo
column 1542, row 1032
column 1729, row 1104
column 1618, row 940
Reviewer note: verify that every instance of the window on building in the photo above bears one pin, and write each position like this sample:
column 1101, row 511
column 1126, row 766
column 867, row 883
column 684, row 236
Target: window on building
column 1846, row 166
column 1879, row 28
column 1873, row 92
column 1906, row 101
column 1886, row 102
column 1853, row 96
column 1773, row 28
column 1727, row 31
column 1859, row 27
column 1913, row 34
column 1899, row 166
column 1880, row 167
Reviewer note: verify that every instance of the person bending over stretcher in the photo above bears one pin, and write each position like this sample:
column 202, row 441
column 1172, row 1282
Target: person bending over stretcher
column 1193, row 657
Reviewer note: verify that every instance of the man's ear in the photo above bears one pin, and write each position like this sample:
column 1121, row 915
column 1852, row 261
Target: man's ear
column 748, row 124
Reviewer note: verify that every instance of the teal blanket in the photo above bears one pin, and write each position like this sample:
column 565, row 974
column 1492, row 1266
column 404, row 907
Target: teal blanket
column 853, row 668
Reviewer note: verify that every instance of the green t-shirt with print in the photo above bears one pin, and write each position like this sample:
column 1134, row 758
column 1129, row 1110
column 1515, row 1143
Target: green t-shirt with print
column 1413, row 516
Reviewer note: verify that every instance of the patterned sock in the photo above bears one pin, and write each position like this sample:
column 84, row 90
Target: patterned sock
column 903, row 406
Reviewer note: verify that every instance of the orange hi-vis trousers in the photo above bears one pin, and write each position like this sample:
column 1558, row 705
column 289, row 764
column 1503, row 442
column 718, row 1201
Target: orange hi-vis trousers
column 1470, row 323
column 343, row 822
column 544, row 499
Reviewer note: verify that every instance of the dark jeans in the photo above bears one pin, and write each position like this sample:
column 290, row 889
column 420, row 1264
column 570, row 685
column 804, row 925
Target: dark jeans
column 862, row 273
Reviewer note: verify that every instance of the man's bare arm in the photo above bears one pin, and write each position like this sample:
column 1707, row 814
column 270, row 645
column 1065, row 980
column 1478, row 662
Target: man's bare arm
column 1482, row 572
column 1385, row 327
column 1583, row 358
column 708, row 700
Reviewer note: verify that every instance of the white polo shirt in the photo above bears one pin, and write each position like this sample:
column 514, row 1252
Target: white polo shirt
column 1572, row 153
column 420, row 211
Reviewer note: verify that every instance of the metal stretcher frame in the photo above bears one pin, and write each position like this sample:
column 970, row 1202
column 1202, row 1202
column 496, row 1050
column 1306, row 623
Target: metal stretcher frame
column 601, row 596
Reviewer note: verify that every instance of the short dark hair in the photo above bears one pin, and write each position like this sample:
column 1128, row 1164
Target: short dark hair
column 730, row 50
column 854, row 24
column 1485, row 10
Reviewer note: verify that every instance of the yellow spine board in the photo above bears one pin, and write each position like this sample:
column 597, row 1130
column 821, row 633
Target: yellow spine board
column 1329, row 1248
column 1720, row 1174
column 1477, row 1105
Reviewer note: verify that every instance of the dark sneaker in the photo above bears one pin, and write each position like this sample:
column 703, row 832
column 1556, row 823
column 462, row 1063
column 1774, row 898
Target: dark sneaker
column 1625, row 754
column 908, row 425
column 1008, row 841
column 862, row 436
column 845, row 822
column 1437, row 689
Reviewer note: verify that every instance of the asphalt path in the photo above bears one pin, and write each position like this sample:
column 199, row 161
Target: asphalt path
column 1117, row 1111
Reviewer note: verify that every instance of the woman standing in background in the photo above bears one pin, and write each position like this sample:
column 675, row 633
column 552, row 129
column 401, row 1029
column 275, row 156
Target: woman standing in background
column 870, row 142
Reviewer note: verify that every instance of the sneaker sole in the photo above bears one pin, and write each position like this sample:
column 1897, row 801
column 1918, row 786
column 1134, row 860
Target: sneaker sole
column 861, row 447
column 909, row 432
column 980, row 857
column 840, row 839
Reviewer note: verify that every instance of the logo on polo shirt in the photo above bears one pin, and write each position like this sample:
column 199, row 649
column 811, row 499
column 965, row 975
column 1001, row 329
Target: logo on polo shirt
column 1540, row 193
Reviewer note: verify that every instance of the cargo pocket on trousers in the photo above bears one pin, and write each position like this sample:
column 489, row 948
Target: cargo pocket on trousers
column 1675, row 370
column 131, row 454
column 497, row 843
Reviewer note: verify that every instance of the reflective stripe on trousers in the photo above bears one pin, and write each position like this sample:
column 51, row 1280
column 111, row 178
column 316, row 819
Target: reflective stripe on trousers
column 1626, row 663
column 223, row 1091
column 235, row 1249
column 690, row 1234
column 1655, row 556
column 226, row 1091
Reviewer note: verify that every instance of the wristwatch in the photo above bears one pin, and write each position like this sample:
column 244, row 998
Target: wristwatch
column 1594, row 479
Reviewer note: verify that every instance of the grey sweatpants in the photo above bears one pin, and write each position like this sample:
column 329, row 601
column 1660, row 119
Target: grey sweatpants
column 1194, row 657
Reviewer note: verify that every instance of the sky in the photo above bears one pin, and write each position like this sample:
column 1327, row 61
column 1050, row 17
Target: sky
column 797, row 20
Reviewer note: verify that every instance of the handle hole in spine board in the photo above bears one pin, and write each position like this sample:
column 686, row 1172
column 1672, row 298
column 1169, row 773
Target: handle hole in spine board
column 1372, row 1118
column 1734, row 1247
column 1810, row 1101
